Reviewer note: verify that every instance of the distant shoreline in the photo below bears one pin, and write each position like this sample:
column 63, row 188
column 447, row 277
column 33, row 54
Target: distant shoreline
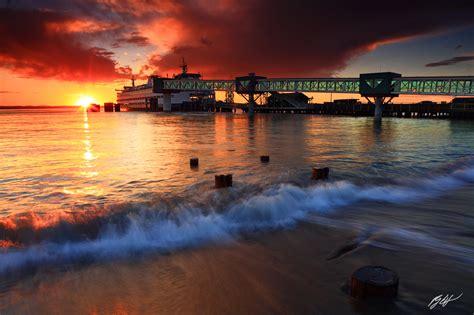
column 38, row 106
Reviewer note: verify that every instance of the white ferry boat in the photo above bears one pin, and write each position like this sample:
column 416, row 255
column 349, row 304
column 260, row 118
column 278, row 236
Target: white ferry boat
column 145, row 97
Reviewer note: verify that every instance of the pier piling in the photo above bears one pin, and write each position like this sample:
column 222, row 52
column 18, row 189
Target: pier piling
column 320, row 173
column 194, row 162
column 251, row 104
column 374, row 281
column 378, row 109
column 167, row 102
column 223, row 181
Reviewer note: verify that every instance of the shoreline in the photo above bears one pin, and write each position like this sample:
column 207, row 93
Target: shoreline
column 281, row 271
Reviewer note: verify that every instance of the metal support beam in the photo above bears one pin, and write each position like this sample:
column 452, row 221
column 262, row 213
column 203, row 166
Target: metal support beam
column 167, row 102
column 251, row 104
column 378, row 109
column 444, row 85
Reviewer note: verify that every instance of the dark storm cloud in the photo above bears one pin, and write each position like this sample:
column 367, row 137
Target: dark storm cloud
column 302, row 37
column 219, row 38
column 134, row 38
column 38, row 43
column 57, row 39
column 449, row 62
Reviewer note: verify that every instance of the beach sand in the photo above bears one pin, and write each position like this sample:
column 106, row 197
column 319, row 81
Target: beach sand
column 284, row 272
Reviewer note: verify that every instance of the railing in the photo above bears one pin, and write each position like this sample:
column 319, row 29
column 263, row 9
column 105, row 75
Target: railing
column 456, row 86
column 328, row 85
column 199, row 85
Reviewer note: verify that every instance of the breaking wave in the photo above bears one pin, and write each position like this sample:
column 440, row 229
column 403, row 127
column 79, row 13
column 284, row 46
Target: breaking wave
column 32, row 240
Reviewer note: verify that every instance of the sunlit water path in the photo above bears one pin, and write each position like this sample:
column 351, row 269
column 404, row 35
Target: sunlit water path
column 81, row 188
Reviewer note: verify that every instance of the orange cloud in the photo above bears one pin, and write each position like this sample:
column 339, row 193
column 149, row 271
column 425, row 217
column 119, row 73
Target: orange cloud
column 80, row 26
column 218, row 38
column 289, row 38
column 31, row 47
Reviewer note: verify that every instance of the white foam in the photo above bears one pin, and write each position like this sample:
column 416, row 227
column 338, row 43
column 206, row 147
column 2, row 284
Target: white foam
column 278, row 207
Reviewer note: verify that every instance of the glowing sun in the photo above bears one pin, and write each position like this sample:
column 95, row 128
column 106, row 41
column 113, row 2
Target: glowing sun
column 85, row 101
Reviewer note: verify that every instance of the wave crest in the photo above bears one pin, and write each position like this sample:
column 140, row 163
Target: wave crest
column 31, row 240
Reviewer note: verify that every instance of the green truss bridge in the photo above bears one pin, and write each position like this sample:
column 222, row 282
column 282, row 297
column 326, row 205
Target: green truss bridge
column 381, row 87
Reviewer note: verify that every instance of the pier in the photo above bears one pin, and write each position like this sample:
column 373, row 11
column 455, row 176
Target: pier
column 379, row 89
column 357, row 109
column 286, row 95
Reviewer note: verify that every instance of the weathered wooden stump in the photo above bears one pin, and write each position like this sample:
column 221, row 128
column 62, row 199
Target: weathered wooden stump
column 320, row 173
column 223, row 181
column 219, row 181
column 194, row 162
column 374, row 281
column 228, row 180
column 264, row 158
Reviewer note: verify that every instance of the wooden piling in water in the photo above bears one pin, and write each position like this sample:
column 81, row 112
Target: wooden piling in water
column 320, row 173
column 193, row 162
column 371, row 281
column 223, row 181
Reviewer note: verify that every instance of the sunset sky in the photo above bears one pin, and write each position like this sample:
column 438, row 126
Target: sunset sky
column 55, row 52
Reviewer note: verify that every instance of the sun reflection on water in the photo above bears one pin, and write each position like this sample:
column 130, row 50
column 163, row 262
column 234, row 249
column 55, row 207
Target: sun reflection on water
column 89, row 168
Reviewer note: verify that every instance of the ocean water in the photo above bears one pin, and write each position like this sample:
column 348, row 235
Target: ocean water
column 106, row 206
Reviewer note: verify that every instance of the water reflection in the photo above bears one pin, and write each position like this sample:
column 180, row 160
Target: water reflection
column 135, row 166
column 87, row 166
column 118, row 157
column 88, row 155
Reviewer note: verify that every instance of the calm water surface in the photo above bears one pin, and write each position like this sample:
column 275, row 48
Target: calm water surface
column 106, row 203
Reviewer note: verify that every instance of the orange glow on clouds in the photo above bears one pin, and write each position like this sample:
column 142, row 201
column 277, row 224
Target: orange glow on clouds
column 7, row 244
column 83, row 26
column 164, row 33
column 51, row 52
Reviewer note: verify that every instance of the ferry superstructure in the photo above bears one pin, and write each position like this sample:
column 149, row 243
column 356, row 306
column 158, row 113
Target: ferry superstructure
column 145, row 97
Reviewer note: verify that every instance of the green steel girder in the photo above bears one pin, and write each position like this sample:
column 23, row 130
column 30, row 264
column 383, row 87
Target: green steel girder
column 454, row 86
column 330, row 85
column 199, row 85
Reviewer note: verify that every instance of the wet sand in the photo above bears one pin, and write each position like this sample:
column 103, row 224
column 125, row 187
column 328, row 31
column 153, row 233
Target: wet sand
column 279, row 272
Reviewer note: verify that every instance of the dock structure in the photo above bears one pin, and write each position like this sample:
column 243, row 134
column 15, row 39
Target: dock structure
column 108, row 107
column 378, row 88
column 418, row 110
